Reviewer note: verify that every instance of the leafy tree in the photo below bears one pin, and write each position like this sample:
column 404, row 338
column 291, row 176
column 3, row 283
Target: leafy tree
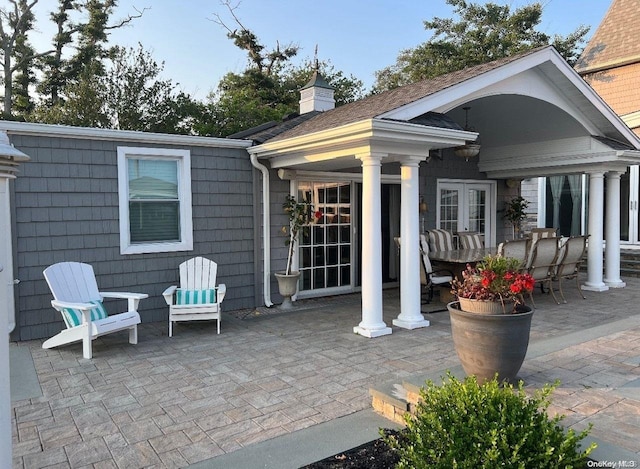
column 15, row 53
column 136, row 99
column 54, row 66
column 482, row 33
column 269, row 87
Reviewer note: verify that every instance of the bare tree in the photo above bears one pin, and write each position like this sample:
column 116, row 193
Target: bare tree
column 246, row 39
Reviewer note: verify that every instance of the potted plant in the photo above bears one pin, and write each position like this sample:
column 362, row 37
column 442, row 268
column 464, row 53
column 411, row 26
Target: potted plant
column 515, row 212
column 300, row 216
column 490, row 324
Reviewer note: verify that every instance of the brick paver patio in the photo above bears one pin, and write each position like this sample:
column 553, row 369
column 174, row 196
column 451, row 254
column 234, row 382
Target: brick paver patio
column 172, row 402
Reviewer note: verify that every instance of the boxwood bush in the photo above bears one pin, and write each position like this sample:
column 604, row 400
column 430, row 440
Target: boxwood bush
column 463, row 424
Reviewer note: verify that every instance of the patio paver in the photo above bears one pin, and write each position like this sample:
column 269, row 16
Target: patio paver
column 174, row 402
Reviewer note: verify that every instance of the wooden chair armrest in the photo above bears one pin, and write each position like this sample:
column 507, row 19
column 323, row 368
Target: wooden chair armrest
column 221, row 291
column 132, row 298
column 60, row 305
column 168, row 294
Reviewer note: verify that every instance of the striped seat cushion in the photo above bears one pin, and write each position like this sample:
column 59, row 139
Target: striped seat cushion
column 73, row 317
column 195, row 297
column 471, row 240
column 441, row 240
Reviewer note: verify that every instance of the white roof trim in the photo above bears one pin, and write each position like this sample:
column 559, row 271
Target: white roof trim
column 88, row 133
column 362, row 131
column 460, row 93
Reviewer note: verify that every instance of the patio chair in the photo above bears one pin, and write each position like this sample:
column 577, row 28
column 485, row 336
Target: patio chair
column 517, row 249
column 429, row 277
column 569, row 261
column 539, row 233
column 76, row 296
column 197, row 298
column 441, row 240
column 469, row 240
column 542, row 265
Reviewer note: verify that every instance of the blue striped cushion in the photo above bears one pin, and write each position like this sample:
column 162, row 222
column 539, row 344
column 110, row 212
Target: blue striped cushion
column 73, row 317
column 195, row 297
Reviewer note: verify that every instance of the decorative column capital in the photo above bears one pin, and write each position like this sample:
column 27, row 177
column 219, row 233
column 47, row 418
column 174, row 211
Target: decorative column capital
column 371, row 158
column 411, row 160
column 614, row 174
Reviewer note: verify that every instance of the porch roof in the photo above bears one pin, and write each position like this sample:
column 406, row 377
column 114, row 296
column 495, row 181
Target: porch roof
column 529, row 110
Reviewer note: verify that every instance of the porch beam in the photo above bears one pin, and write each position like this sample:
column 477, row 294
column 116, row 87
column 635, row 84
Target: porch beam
column 410, row 316
column 612, row 224
column 596, row 220
column 372, row 324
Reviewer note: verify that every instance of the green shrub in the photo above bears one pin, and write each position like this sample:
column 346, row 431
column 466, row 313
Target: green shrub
column 462, row 424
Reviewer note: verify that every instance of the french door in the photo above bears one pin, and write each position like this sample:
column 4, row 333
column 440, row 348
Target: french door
column 325, row 247
column 467, row 206
column 629, row 210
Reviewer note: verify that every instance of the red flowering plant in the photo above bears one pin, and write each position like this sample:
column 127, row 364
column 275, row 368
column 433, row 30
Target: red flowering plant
column 495, row 278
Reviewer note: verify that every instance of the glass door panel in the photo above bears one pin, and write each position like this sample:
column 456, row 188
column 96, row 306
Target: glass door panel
column 325, row 248
column 466, row 206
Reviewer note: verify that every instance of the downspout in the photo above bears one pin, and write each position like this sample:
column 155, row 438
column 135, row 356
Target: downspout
column 266, row 238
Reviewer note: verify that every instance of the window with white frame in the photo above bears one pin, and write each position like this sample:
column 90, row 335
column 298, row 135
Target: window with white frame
column 154, row 188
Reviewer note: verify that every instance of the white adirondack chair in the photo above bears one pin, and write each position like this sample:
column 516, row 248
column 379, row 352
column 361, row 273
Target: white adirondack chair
column 197, row 298
column 76, row 296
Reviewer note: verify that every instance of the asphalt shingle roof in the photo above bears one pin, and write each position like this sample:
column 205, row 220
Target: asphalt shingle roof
column 615, row 42
column 375, row 105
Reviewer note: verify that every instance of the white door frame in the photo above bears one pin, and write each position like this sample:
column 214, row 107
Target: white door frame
column 462, row 185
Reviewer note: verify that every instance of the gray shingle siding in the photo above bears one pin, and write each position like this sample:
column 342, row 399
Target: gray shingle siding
column 66, row 209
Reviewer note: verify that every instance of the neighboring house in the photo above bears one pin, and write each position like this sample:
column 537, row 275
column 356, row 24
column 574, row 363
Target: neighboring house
column 364, row 165
column 610, row 64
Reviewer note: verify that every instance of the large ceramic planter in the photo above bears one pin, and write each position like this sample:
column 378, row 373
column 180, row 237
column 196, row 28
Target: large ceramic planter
column 288, row 286
column 487, row 344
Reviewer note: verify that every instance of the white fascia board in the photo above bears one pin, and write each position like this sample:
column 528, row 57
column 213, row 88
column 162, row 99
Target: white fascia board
column 360, row 137
column 88, row 133
column 467, row 90
column 632, row 119
column 455, row 95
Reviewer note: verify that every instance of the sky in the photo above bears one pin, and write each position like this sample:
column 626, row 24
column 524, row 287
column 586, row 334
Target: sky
column 358, row 37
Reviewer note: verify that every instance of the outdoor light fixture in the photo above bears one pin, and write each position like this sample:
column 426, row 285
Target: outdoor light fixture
column 422, row 208
column 469, row 149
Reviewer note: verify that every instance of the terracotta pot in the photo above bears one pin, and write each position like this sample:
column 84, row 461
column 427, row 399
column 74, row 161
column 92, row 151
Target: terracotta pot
column 288, row 286
column 487, row 344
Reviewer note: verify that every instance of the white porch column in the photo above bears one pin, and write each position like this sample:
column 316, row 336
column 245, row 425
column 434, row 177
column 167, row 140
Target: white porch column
column 612, row 224
column 410, row 316
column 372, row 324
column 596, row 219
column 9, row 158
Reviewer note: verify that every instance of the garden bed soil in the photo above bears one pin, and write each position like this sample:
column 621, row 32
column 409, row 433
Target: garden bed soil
column 373, row 455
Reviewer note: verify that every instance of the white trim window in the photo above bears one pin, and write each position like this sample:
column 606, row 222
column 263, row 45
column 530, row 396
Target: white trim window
column 154, row 192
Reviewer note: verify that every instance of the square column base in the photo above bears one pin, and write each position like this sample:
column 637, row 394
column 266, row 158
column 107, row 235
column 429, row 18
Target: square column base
column 371, row 333
column 598, row 288
column 615, row 283
column 410, row 324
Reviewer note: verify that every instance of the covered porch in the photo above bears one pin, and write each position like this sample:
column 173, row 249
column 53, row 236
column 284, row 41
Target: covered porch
column 534, row 117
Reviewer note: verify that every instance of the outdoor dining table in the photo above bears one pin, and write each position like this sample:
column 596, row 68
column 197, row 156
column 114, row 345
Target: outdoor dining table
column 456, row 260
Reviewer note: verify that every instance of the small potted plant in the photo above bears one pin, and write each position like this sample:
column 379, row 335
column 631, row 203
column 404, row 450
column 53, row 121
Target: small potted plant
column 490, row 324
column 300, row 214
column 515, row 212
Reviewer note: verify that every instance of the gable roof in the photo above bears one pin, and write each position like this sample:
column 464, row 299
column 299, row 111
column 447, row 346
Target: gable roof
column 615, row 42
column 378, row 104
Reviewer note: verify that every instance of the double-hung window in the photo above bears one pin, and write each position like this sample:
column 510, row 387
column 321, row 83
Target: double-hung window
column 154, row 186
